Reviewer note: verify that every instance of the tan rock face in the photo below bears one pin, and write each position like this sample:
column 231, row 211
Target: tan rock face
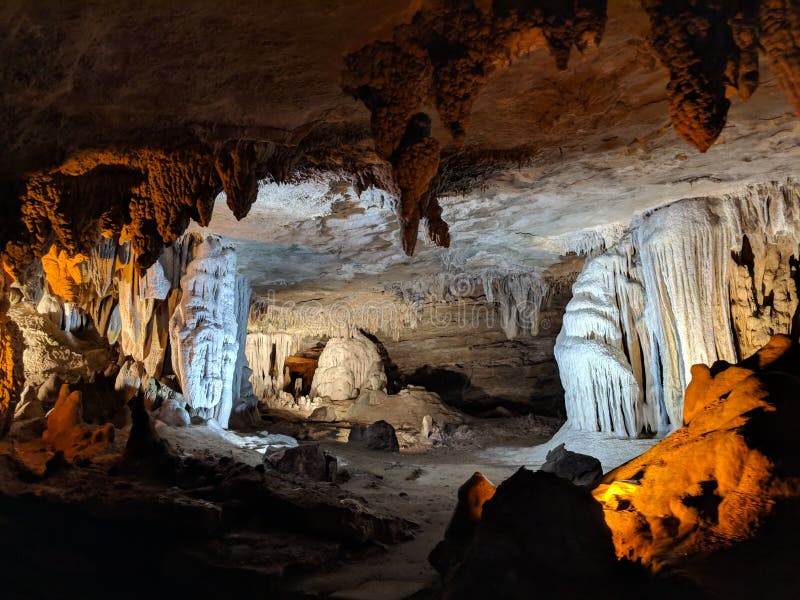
column 717, row 479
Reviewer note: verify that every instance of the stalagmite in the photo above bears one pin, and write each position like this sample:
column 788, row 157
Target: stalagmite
column 204, row 328
column 346, row 366
column 696, row 281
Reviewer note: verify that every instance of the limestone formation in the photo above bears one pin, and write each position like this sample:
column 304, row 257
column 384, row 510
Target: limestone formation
column 204, row 331
column 460, row 532
column 447, row 53
column 696, row 281
column 537, row 532
column 723, row 475
column 346, row 367
column 11, row 371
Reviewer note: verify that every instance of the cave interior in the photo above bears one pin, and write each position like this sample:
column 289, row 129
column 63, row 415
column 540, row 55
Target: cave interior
column 400, row 300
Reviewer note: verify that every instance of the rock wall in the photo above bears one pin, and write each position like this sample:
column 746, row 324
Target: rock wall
column 696, row 281
column 461, row 351
column 11, row 380
column 479, row 340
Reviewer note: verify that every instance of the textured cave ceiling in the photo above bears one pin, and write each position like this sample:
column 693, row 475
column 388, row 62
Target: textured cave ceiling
column 546, row 152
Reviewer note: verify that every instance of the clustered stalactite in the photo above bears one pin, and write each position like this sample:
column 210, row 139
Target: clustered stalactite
column 446, row 55
column 711, row 51
column 145, row 196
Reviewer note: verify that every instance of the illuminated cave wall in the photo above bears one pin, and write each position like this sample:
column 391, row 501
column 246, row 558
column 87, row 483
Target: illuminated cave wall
column 185, row 315
column 696, row 281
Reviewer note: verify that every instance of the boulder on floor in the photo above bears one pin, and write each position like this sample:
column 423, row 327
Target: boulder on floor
column 714, row 481
column 581, row 469
column 307, row 460
column 378, row 436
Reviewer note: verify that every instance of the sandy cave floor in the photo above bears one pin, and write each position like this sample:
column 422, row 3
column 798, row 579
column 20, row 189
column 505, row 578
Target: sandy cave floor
column 420, row 486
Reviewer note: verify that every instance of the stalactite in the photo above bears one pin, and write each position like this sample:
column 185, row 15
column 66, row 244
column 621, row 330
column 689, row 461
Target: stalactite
column 696, row 44
column 779, row 34
column 520, row 297
column 414, row 164
column 696, row 281
column 447, row 52
column 266, row 354
column 337, row 319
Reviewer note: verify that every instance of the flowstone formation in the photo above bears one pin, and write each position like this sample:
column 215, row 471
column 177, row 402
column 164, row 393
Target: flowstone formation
column 720, row 478
column 696, row 281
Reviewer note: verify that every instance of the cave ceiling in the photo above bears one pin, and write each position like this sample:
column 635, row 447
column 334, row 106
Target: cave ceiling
column 543, row 119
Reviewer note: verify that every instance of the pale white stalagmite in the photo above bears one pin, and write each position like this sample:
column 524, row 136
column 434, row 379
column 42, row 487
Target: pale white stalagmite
column 346, row 366
column 696, row 281
column 203, row 330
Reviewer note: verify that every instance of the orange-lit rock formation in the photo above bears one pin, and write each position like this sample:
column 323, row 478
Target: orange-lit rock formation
column 146, row 196
column 717, row 479
column 66, row 432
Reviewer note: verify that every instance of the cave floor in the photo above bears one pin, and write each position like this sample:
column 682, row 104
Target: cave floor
column 422, row 487
column 418, row 485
